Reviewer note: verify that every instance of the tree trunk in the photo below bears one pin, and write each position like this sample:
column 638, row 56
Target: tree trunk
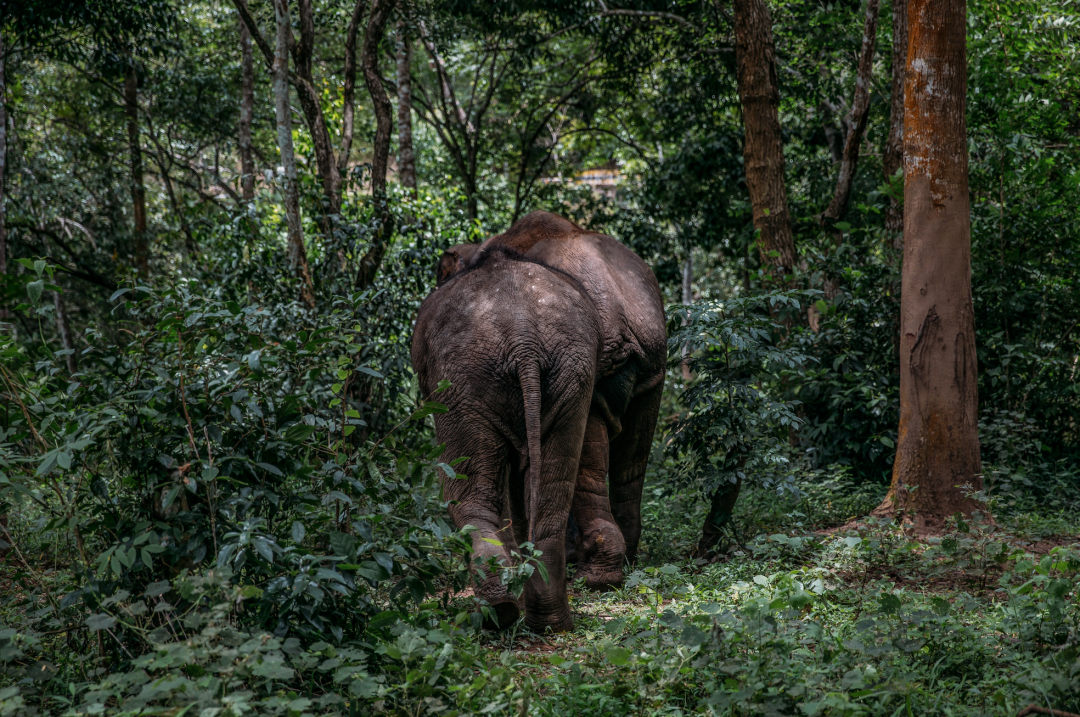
column 857, row 120
column 310, row 103
column 687, row 298
column 406, row 160
column 721, row 507
column 247, row 109
column 938, row 445
column 63, row 327
column 297, row 253
column 369, row 263
column 894, row 149
column 138, row 190
column 348, row 112
column 3, row 167
column 763, row 149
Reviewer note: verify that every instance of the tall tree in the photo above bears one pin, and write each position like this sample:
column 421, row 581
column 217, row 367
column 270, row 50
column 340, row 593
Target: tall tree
column 763, row 148
column 247, row 110
column 369, row 263
column 894, row 149
column 138, row 188
column 406, row 158
column 296, row 250
column 938, row 445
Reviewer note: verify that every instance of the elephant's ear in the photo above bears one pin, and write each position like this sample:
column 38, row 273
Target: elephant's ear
column 447, row 267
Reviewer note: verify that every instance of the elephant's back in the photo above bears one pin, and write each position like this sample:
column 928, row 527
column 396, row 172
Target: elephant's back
column 481, row 325
column 621, row 285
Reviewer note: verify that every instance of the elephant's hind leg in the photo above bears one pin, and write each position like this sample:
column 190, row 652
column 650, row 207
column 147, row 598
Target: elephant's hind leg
column 629, row 459
column 479, row 500
column 600, row 548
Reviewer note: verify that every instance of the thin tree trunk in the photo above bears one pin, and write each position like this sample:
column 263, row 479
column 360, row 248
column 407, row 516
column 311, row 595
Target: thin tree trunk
column 763, row 149
column 247, row 111
column 369, row 263
column 721, row 507
column 856, row 121
column 406, row 160
column 310, row 103
column 3, row 167
column 894, row 149
column 938, row 445
column 687, row 298
column 138, row 190
column 349, row 94
column 63, row 327
column 297, row 253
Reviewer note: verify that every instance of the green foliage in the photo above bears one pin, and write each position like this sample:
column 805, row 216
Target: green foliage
column 734, row 424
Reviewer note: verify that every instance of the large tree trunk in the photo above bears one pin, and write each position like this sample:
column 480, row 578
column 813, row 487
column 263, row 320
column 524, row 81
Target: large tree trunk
column 406, row 159
column 763, row 149
column 247, row 111
column 687, row 298
column 138, row 190
column 938, row 446
column 297, row 253
column 3, row 167
column 894, row 149
column 369, row 263
column 857, row 120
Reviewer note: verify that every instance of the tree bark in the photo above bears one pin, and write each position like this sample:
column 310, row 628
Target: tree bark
column 406, row 159
column 894, row 149
column 369, row 263
column 3, row 168
column 63, row 327
column 297, row 253
column 938, row 445
column 763, row 149
column 138, row 190
column 687, row 298
column 856, row 121
column 721, row 507
column 325, row 161
column 247, row 110
column 349, row 93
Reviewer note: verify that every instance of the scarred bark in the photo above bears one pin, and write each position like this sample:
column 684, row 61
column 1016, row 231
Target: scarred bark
column 296, row 251
column 406, row 159
column 138, row 190
column 938, row 444
column 369, row 263
column 894, row 149
column 856, row 120
column 763, row 149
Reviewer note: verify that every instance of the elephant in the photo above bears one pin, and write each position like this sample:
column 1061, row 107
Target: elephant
column 630, row 379
column 520, row 343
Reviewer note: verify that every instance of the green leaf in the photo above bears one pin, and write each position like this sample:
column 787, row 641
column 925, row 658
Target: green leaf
column 493, row 541
column 298, row 532
column 35, row 289
column 887, row 442
column 429, row 408
column 617, row 656
column 299, row 432
column 370, row 372
column 443, row 385
column 100, row 621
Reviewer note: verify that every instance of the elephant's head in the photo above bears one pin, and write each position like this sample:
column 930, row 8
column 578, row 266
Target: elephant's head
column 454, row 260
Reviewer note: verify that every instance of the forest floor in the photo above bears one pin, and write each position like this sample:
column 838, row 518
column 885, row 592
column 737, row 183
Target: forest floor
column 861, row 619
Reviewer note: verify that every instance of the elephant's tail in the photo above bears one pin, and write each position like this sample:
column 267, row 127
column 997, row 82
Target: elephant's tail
column 529, row 375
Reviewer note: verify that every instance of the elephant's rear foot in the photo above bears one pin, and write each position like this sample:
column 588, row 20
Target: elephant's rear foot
column 505, row 614
column 601, row 554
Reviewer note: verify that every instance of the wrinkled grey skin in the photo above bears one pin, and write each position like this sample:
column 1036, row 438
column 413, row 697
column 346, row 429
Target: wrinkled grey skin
column 630, row 378
column 520, row 344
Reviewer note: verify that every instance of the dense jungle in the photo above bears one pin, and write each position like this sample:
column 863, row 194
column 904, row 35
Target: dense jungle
column 222, row 490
